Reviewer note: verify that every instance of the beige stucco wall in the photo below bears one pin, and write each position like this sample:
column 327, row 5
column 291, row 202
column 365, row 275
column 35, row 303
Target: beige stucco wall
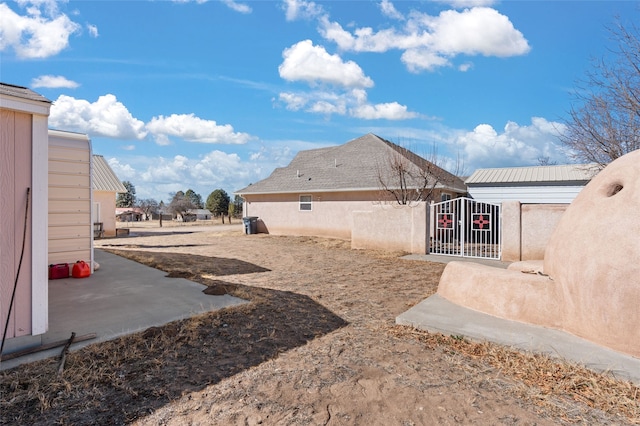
column 392, row 228
column 331, row 214
column 526, row 229
column 107, row 202
column 538, row 223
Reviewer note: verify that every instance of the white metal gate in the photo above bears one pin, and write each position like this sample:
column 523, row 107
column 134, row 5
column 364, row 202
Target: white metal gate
column 467, row 228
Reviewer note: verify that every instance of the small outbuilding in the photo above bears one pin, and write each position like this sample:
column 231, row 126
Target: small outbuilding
column 23, row 215
column 558, row 184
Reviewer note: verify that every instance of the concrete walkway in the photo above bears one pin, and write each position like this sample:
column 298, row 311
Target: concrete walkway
column 438, row 315
column 120, row 298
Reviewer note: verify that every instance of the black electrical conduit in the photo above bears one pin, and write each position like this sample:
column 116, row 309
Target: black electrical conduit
column 15, row 284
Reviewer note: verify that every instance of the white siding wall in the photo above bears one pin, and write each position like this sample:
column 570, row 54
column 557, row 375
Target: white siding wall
column 70, row 203
column 525, row 194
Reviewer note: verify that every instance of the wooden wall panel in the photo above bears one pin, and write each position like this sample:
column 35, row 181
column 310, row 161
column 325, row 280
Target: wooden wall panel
column 23, row 147
column 7, row 268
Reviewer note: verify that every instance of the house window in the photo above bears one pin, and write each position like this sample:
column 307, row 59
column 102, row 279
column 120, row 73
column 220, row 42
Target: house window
column 305, row 202
column 445, row 197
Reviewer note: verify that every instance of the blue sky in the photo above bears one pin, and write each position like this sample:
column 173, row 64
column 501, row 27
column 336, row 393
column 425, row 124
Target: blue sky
column 203, row 95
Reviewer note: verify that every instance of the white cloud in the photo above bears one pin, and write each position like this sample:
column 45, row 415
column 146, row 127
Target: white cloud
column 300, row 9
column 460, row 4
column 42, row 33
column 312, row 64
column 238, row 7
column 106, row 117
column 388, row 111
column 388, row 9
column 193, row 129
column 123, row 171
column 516, row 145
column 430, row 42
column 353, row 103
column 93, row 30
column 53, row 82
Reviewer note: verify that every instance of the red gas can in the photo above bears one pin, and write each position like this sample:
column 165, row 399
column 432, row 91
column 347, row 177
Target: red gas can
column 81, row 269
column 61, row 270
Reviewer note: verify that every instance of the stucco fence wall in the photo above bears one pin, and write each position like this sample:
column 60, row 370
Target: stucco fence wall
column 392, row 228
column 526, row 229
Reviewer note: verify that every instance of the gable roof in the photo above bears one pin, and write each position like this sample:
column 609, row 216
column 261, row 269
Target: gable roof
column 104, row 179
column 21, row 92
column 563, row 174
column 353, row 166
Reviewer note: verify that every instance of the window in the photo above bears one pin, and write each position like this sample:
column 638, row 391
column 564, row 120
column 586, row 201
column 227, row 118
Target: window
column 305, row 202
column 445, row 197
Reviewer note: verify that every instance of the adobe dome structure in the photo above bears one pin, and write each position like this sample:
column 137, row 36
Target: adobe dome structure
column 589, row 283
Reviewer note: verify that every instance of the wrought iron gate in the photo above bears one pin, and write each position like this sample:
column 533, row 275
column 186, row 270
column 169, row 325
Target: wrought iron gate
column 467, row 228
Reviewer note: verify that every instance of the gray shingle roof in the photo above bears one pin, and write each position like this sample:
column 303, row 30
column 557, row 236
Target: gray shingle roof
column 354, row 166
column 21, row 92
column 104, row 179
column 535, row 174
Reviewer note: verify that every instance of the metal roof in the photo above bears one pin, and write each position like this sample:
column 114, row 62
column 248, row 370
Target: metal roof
column 353, row 166
column 104, row 179
column 21, row 92
column 534, row 174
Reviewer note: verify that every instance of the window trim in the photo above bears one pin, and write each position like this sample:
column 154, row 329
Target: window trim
column 305, row 203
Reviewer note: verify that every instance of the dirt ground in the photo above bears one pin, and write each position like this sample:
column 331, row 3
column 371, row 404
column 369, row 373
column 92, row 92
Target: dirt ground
column 318, row 345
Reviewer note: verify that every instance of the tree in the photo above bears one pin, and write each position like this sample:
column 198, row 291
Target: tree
column 180, row 204
column 408, row 178
column 149, row 206
column 238, row 202
column 196, row 199
column 218, row 202
column 604, row 121
column 128, row 199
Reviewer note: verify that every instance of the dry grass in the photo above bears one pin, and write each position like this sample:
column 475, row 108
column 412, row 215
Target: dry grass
column 327, row 297
column 544, row 380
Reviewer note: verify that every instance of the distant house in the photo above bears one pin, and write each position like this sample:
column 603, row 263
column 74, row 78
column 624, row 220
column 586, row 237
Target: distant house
column 130, row 214
column 201, row 214
column 318, row 192
column 106, row 186
column 529, row 185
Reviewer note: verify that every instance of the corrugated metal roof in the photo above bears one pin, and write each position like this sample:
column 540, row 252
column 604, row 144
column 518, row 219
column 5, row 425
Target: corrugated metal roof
column 534, row 174
column 354, row 166
column 104, row 179
column 21, row 92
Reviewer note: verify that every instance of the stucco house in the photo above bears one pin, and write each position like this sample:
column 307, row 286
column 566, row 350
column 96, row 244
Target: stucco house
column 106, row 187
column 319, row 191
column 23, row 213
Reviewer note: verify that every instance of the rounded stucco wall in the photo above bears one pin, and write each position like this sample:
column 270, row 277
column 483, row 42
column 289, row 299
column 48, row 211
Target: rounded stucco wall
column 594, row 258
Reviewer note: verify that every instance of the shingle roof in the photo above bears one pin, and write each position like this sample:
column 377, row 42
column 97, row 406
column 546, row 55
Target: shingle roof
column 21, row 92
column 534, row 174
column 104, row 179
column 354, row 166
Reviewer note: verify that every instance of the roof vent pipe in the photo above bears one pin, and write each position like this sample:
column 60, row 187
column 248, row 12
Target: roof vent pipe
column 298, row 173
column 335, row 162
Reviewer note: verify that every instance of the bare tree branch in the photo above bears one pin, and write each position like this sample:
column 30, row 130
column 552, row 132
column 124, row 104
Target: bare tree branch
column 604, row 122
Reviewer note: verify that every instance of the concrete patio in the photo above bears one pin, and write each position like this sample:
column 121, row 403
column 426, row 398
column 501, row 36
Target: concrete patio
column 120, row 298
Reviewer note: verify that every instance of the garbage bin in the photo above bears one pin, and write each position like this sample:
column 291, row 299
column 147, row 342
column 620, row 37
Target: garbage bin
column 250, row 224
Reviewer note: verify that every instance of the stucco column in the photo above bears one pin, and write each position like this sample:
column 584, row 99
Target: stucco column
column 511, row 231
